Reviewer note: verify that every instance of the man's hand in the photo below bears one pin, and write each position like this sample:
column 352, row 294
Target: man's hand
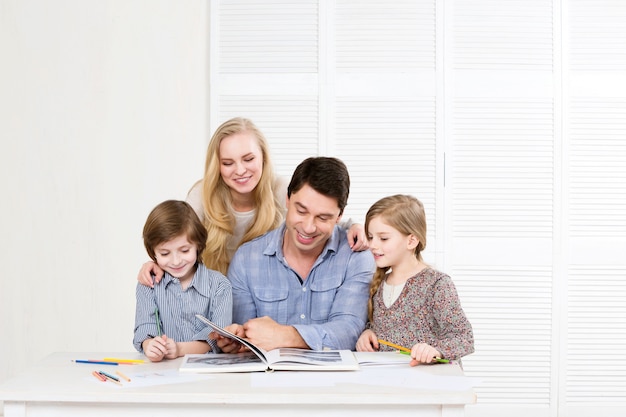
column 228, row 345
column 267, row 334
column 368, row 342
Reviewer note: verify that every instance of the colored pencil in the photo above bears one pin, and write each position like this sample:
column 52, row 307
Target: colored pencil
column 110, row 377
column 158, row 321
column 100, row 377
column 94, row 362
column 393, row 345
column 127, row 379
column 120, row 360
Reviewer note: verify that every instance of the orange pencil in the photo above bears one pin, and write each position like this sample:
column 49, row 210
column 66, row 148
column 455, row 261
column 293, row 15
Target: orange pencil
column 123, row 376
column 100, row 377
column 393, row 345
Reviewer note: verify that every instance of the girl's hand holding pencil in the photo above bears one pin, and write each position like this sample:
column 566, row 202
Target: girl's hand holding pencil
column 425, row 352
column 420, row 353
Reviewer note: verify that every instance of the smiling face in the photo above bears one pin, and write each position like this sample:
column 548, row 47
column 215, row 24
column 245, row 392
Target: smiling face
column 389, row 247
column 241, row 162
column 177, row 257
column 311, row 218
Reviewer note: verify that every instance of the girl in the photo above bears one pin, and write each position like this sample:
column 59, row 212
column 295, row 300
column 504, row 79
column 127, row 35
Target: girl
column 410, row 303
column 165, row 322
column 239, row 198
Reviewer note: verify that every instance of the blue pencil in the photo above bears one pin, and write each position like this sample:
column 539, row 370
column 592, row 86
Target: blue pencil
column 94, row 362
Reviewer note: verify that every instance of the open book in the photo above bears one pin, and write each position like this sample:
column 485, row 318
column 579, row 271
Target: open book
column 260, row 360
column 382, row 358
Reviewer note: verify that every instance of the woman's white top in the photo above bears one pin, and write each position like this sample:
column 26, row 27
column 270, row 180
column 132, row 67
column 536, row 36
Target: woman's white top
column 242, row 219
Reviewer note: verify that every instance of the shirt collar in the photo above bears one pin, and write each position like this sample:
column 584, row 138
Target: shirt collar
column 168, row 279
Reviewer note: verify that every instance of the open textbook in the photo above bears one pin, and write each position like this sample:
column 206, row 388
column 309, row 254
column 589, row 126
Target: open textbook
column 261, row 360
column 382, row 358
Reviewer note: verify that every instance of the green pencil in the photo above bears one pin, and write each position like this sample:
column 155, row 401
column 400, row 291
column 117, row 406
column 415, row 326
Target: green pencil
column 436, row 359
column 158, row 322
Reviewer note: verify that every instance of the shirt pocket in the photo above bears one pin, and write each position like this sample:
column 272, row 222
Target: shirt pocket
column 323, row 296
column 272, row 302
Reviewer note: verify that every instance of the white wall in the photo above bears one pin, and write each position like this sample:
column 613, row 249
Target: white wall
column 102, row 116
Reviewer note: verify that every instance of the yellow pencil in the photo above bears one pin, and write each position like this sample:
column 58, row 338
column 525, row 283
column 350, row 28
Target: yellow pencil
column 393, row 345
column 123, row 360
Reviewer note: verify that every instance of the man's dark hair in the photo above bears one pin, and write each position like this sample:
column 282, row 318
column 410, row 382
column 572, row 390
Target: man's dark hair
column 326, row 175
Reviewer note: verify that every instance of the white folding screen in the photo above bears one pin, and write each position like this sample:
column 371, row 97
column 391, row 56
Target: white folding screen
column 335, row 78
column 500, row 190
column 595, row 206
column 264, row 61
column 507, row 118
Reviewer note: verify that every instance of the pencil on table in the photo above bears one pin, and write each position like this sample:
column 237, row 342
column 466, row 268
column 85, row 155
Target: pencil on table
column 120, row 360
column 110, row 377
column 124, row 377
column 100, row 377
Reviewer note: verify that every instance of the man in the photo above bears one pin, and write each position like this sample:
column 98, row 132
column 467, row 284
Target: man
column 301, row 285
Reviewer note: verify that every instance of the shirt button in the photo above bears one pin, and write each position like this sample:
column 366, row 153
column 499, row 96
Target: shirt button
column 302, row 316
column 303, row 289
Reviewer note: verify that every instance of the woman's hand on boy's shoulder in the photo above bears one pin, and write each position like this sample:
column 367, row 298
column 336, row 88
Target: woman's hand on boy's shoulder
column 150, row 274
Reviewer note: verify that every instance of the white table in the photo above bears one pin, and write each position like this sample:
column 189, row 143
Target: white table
column 58, row 387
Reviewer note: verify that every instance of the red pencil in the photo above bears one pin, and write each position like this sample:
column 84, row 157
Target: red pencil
column 100, row 377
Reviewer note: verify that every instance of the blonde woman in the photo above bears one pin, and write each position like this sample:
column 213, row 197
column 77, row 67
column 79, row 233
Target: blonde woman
column 239, row 198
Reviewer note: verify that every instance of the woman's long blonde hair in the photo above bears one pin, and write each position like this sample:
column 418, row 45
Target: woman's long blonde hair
column 404, row 213
column 217, row 201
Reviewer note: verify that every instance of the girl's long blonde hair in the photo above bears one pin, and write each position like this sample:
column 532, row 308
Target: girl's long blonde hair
column 404, row 213
column 217, row 201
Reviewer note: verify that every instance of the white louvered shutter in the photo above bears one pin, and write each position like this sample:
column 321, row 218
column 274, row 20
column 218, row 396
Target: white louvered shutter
column 500, row 190
column 507, row 118
column 385, row 102
column 351, row 79
column 595, row 218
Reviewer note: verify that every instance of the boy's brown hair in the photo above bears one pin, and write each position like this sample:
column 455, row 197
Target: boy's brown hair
column 170, row 219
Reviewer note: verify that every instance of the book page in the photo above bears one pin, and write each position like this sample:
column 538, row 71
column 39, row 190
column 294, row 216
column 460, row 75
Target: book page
column 277, row 359
column 313, row 357
column 382, row 358
column 312, row 360
column 255, row 349
column 222, row 362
